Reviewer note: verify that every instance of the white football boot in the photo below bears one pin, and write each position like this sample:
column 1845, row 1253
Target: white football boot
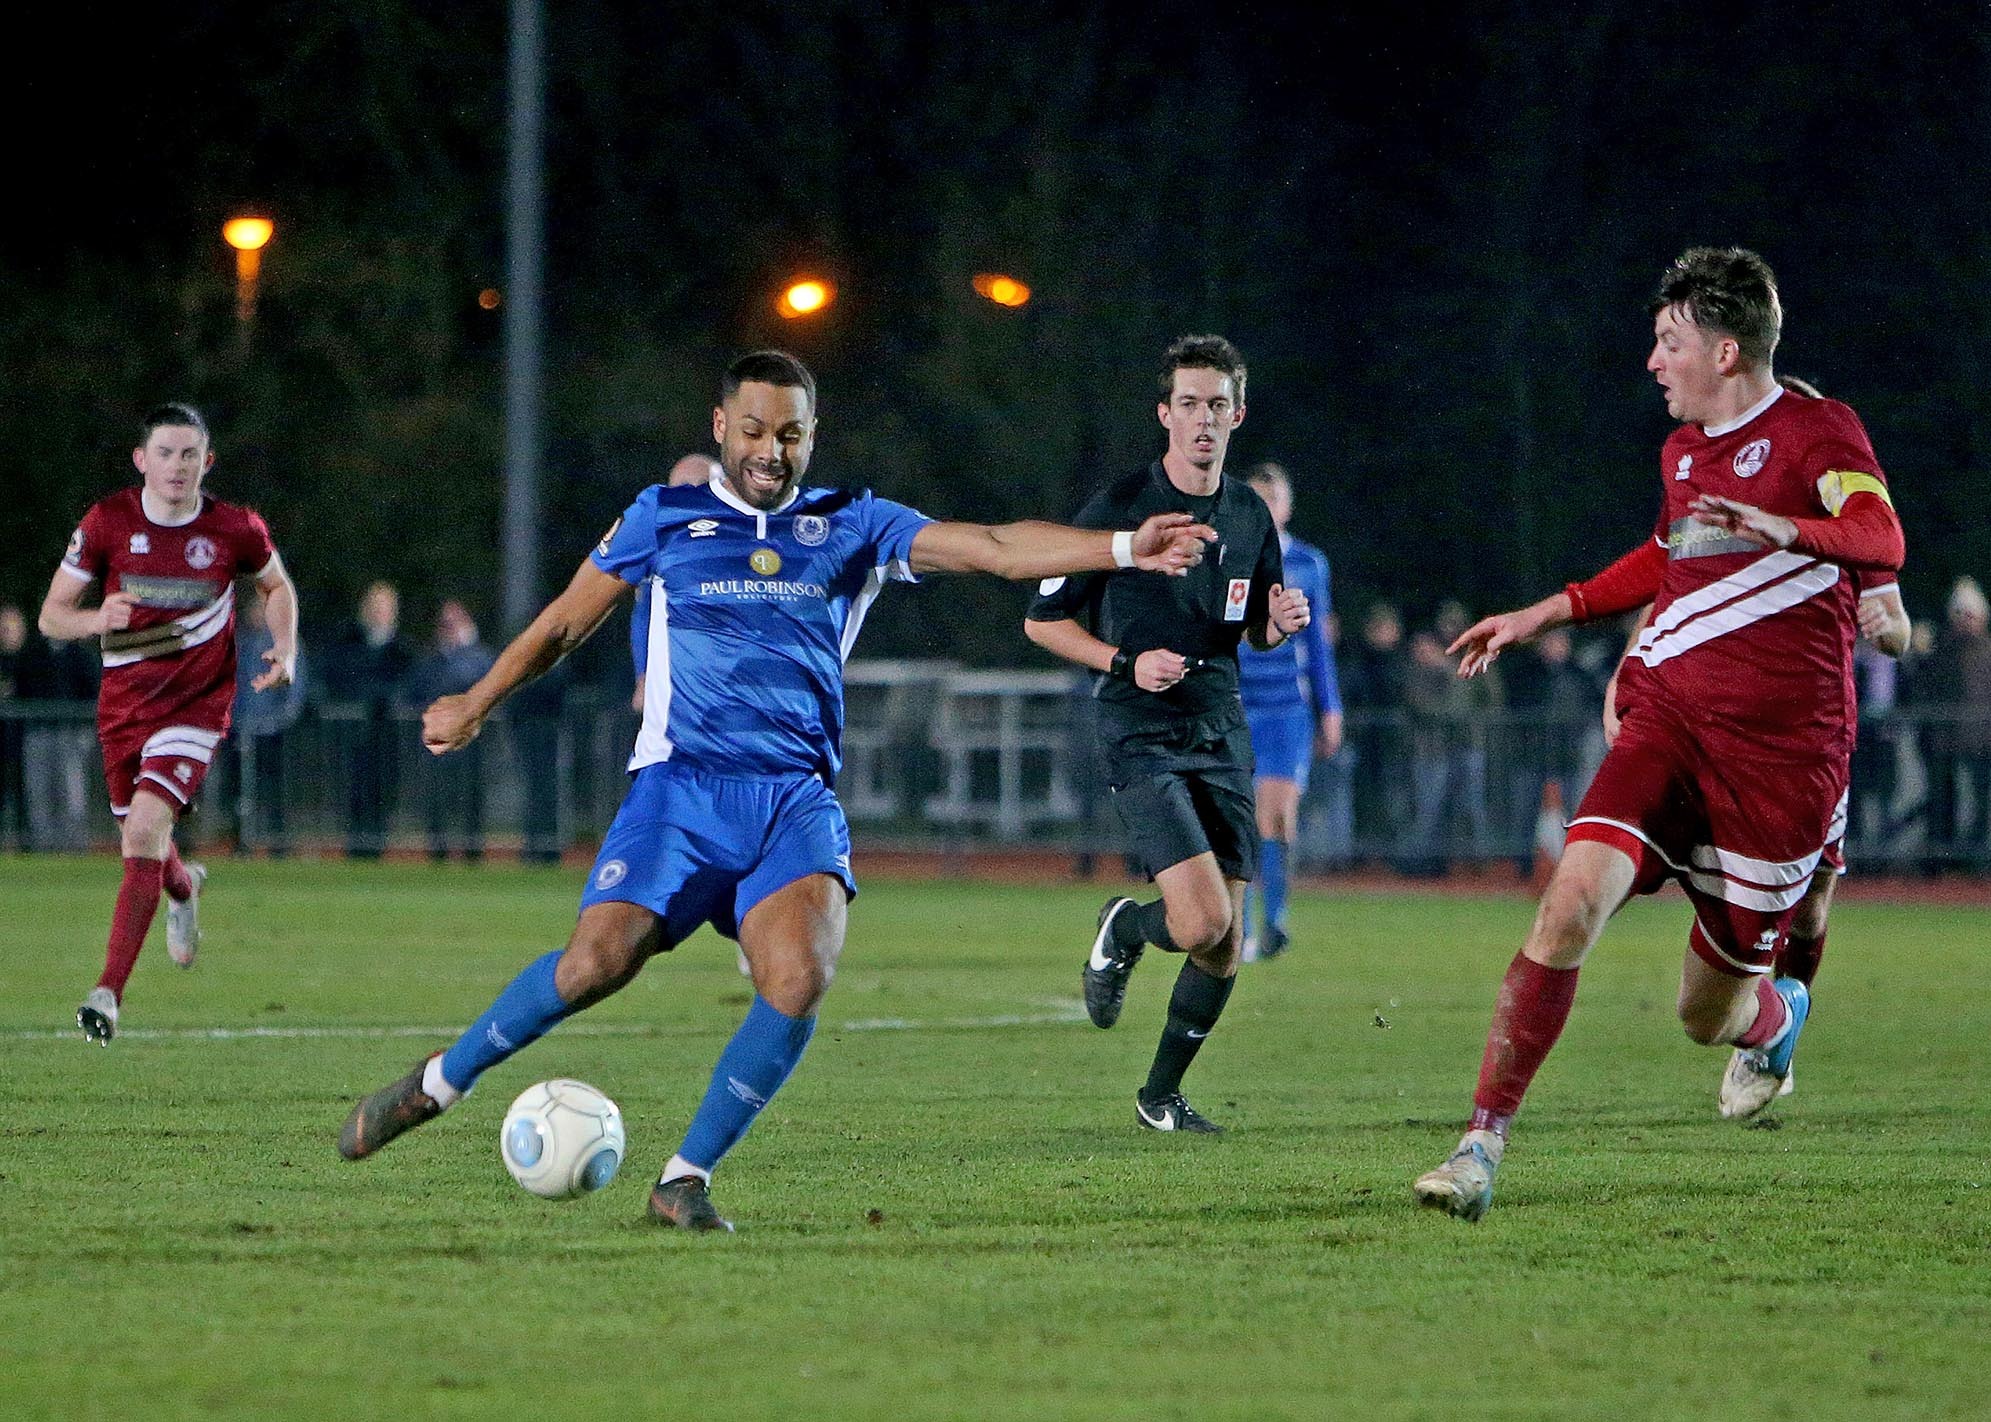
column 98, row 1016
column 183, row 920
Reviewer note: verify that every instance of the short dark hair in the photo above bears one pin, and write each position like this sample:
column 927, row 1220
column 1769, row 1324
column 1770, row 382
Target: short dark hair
column 769, row 367
column 1268, row 472
column 173, row 412
column 1201, row 353
column 1798, row 386
column 1726, row 289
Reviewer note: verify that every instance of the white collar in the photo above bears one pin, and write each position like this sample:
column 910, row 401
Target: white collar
column 733, row 501
column 158, row 520
column 1717, row 431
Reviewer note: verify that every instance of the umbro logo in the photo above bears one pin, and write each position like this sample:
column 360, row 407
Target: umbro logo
column 703, row 527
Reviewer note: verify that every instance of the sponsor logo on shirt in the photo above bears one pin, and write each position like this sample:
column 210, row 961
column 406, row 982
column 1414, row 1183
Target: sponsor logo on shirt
column 765, row 561
column 763, row 589
column 141, row 543
column 1751, row 458
column 1234, row 601
column 703, row 527
column 811, row 530
column 201, row 552
column 167, row 592
column 1687, row 539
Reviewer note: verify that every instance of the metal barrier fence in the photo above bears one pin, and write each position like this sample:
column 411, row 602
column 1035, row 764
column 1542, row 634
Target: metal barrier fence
column 938, row 754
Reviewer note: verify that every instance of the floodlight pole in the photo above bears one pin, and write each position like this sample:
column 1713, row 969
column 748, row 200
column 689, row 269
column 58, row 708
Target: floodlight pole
column 525, row 251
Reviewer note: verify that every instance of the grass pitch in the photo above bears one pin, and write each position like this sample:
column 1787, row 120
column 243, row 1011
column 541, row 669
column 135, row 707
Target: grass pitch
column 949, row 1213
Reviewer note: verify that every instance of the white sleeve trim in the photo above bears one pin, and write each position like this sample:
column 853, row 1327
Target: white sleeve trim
column 77, row 573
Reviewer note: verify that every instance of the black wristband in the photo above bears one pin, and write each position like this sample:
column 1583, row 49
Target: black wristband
column 1122, row 665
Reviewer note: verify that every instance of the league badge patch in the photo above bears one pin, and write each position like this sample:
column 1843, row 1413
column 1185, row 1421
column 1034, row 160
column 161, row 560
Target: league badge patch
column 1240, row 593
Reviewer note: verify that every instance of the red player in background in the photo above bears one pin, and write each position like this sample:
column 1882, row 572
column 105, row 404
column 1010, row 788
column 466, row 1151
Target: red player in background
column 167, row 558
column 1736, row 704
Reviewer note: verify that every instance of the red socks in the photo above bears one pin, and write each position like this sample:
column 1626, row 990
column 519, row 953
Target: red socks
column 1771, row 1014
column 1529, row 1015
column 179, row 883
column 138, row 900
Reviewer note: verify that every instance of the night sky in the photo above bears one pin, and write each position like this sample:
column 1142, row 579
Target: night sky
column 1433, row 237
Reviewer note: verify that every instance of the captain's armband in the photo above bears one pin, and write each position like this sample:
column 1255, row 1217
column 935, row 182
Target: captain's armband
column 1839, row 485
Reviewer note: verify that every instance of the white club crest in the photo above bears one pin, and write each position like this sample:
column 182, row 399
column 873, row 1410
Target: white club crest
column 1751, row 458
column 201, row 552
column 811, row 530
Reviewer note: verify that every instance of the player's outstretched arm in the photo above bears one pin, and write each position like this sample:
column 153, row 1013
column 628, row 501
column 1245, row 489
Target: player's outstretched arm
column 1480, row 645
column 1167, row 543
column 562, row 625
column 280, row 613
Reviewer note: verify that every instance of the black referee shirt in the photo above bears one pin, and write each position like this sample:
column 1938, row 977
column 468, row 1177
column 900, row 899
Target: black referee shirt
column 1202, row 615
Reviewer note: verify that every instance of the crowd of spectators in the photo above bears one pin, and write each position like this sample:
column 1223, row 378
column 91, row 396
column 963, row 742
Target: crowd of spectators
column 1434, row 770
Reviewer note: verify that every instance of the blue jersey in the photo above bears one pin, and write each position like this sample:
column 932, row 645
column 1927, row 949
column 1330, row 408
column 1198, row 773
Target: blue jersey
column 1282, row 679
column 751, row 617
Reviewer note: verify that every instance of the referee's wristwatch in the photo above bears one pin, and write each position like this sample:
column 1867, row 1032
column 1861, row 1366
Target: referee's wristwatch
column 1122, row 665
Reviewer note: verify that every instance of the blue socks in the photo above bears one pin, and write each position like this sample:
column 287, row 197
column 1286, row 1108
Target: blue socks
column 1272, row 874
column 525, row 1011
column 751, row 1069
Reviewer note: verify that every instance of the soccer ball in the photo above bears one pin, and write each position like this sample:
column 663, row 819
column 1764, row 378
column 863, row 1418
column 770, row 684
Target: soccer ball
column 562, row 1138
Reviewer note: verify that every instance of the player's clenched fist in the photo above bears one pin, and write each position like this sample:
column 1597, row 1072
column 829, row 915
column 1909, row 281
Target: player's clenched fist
column 1158, row 669
column 116, row 612
column 1288, row 610
column 450, row 723
column 1171, row 543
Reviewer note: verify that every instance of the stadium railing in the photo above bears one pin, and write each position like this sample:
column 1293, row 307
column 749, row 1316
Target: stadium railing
column 938, row 755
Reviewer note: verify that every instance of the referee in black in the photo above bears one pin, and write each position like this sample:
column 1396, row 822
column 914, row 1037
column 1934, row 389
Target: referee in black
column 1172, row 731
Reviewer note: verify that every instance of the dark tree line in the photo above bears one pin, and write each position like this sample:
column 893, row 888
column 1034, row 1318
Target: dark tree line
column 1432, row 236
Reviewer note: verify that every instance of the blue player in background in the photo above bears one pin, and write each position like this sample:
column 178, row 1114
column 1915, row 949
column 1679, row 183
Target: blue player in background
column 1292, row 702
column 758, row 588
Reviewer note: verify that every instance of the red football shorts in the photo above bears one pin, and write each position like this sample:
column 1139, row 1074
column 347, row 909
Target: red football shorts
column 170, row 762
column 1740, row 831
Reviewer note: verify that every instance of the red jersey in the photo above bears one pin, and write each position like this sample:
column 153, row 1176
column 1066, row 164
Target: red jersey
column 1753, row 640
column 175, row 663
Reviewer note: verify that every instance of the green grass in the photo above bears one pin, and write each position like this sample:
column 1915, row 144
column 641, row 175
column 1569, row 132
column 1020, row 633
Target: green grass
column 943, row 1219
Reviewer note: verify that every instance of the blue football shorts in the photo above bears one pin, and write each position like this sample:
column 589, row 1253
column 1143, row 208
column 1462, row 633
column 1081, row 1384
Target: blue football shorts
column 1282, row 742
column 693, row 847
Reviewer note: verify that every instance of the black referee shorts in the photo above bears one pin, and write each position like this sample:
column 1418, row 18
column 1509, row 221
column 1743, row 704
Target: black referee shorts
column 1184, row 790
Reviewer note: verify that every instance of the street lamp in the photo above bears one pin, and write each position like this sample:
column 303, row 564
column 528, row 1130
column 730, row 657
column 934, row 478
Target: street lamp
column 1002, row 290
column 248, row 236
column 805, row 297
